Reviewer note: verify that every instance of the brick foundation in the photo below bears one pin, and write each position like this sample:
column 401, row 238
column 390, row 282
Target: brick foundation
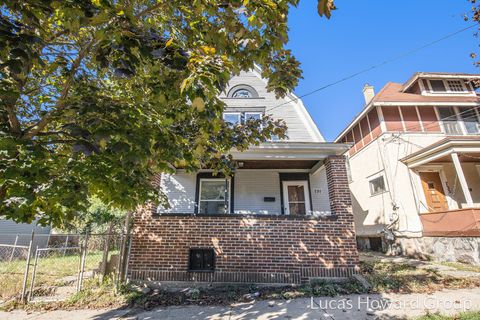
column 261, row 249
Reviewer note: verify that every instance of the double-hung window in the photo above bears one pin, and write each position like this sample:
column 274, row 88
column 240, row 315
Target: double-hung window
column 253, row 116
column 214, row 196
column 232, row 118
column 450, row 120
column 470, row 119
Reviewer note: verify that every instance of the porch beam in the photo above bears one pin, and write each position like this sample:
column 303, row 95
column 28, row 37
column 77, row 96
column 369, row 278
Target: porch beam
column 462, row 180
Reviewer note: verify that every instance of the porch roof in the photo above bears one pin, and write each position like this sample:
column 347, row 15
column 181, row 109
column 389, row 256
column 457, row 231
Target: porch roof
column 465, row 145
column 286, row 150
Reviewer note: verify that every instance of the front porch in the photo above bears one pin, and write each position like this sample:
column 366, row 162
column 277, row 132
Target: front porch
column 446, row 184
column 270, row 179
column 281, row 218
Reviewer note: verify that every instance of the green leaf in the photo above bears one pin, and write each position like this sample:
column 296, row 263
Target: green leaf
column 198, row 104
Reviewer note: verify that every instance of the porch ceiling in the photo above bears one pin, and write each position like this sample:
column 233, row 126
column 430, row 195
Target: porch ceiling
column 468, row 149
column 282, row 164
column 290, row 151
column 463, row 157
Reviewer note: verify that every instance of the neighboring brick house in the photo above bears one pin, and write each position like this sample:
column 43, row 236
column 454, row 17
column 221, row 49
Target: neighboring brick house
column 284, row 217
column 415, row 166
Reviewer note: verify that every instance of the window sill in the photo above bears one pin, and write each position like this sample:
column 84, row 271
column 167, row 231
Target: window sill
column 378, row 193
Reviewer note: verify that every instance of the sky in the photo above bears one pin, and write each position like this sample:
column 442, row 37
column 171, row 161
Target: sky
column 361, row 34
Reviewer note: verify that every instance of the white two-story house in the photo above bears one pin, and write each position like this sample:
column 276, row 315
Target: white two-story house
column 284, row 216
column 415, row 167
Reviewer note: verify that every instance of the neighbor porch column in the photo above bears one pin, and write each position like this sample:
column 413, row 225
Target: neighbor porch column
column 462, row 180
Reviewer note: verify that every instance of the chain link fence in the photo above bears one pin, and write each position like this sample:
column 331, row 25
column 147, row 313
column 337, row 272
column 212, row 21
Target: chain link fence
column 53, row 267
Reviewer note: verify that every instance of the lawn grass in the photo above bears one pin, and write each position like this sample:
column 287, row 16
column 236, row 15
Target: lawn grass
column 404, row 278
column 462, row 266
column 50, row 271
column 475, row 315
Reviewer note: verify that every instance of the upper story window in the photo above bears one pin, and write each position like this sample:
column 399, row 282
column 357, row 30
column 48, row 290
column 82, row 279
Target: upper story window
column 460, row 120
column 471, row 119
column 450, row 120
column 445, row 86
column 242, row 91
column 235, row 118
column 232, row 118
column 253, row 116
column 437, row 86
column 456, row 85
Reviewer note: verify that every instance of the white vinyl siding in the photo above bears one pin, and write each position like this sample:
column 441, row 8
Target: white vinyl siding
column 250, row 189
column 180, row 191
column 300, row 126
column 319, row 188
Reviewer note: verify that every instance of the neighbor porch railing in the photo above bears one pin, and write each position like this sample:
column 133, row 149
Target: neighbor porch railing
column 452, row 223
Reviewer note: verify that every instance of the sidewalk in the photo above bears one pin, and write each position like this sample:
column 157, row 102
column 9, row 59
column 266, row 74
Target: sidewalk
column 353, row 307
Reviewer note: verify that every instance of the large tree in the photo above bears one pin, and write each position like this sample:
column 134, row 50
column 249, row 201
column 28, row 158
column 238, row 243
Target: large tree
column 99, row 96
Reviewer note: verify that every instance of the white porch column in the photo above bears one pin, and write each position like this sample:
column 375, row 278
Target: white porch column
column 461, row 179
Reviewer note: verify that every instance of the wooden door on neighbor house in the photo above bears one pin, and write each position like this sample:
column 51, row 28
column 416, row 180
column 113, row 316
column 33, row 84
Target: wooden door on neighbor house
column 434, row 192
column 296, row 197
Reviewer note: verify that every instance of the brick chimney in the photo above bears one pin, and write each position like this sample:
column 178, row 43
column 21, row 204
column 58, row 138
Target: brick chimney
column 368, row 93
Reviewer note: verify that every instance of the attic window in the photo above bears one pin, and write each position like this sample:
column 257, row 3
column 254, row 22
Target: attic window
column 437, row 86
column 455, row 85
column 242, row 91
column 447, row 86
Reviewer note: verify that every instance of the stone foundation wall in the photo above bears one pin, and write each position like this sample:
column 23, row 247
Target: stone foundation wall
column 461, row 249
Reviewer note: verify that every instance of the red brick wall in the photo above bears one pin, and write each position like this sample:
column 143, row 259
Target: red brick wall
column 266, row 249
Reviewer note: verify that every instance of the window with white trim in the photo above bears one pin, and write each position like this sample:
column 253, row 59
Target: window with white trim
column 450, row 120
column 470, row 119
column 242, row 93
column 377, row 185
column 437, row 85
column 456, row 85
column 232, row 118
column 446, row 86
column 214, row 196
column 253, row 116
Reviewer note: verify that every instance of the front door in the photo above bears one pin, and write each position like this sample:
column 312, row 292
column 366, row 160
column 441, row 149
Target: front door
column 296, row 198
column 434, row 193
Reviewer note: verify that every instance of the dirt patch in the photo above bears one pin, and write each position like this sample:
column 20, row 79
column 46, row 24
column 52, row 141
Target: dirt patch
column 405, row 278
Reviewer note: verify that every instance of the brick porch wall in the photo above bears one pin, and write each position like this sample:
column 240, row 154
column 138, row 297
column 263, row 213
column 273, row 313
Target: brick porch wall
column 262, row 249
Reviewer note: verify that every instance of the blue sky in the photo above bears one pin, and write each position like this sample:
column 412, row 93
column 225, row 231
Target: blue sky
column 364, row 33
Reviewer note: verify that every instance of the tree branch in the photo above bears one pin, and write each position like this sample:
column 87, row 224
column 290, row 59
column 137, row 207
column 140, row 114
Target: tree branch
column 148, row 10
column 15, row 126
column 60, row 105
